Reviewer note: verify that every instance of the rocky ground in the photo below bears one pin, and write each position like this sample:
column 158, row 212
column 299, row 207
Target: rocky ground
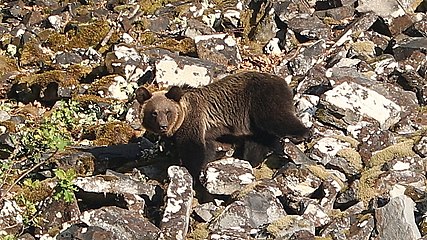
column 74, row 163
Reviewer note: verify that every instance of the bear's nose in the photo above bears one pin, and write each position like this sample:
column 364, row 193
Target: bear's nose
column 163, row 127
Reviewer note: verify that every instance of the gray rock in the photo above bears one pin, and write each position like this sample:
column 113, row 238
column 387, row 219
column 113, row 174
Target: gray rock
column 4, row 116
column 327, row 148
column 308, row 57
column 396, row 219
column 251, row 211
column 124, row 224
column 218, row 48
column 388, row 8
column 227, row 175
column 206, row 211
column 356, row 28
column 179, row 198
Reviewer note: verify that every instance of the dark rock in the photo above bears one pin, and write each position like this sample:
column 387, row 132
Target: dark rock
column 309, row 27
column 84, row 232
column 55, row 213
column 124, row 224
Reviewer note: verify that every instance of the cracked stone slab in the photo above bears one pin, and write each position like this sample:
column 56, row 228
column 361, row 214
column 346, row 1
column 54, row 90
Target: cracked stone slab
column 361, row 227
column 354, row 102
column 227, row 175
column 396, row 219
column 179, row 197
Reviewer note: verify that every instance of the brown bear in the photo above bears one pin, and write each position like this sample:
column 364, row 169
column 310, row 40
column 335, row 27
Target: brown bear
column 247, row 105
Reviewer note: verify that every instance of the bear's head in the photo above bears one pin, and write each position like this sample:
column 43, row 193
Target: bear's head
column 160, row 112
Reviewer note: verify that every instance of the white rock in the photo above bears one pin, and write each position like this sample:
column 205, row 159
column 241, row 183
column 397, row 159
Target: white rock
column 364, row 102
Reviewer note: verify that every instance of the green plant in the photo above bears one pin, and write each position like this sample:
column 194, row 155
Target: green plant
column 65, row 189
column 8, row 237
column 27, row 200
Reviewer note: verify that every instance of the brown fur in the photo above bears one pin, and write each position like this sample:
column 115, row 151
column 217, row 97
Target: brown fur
column 248, row 105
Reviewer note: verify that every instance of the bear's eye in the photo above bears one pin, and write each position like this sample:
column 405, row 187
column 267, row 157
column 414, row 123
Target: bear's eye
column 154, row 114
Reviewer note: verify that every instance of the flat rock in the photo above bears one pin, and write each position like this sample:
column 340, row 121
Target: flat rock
column 355, row 102
column 124, row 224
column 251, row 211
column 396, row 219
column 117, row 185
column 175, row 70
column 227, row 175
column 179, row 197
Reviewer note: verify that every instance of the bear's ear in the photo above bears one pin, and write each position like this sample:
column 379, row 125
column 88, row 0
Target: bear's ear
column 142, row 95
column 175, row 93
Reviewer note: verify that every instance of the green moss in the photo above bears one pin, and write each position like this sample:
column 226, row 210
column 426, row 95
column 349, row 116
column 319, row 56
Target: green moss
column 82, row 36
column 352, row 156
column 10, row 126
column 32, row 54
column 7, row 65
column 101, row 84
column 151, row 6
column 88, row 99
column 367, row 190
column 320, row 172
column 186, row 46
column 113, row 133
column 67, row 78
column 199, row 232
column 263, row 172
column 283, row 223
column 88, row 35
column 402, row 149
